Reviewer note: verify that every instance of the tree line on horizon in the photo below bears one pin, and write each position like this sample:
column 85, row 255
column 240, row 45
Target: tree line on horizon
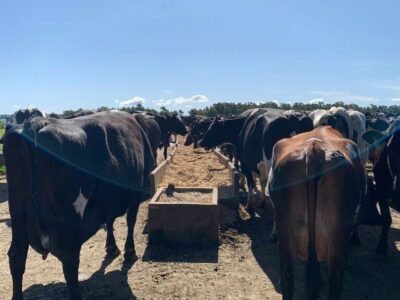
column 236, row 108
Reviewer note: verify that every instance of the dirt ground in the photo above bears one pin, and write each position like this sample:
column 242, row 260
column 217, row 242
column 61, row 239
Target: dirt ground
column 244, row 266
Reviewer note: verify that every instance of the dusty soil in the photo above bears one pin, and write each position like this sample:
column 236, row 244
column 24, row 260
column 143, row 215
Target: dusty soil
column 192, row 197
column 244, row 266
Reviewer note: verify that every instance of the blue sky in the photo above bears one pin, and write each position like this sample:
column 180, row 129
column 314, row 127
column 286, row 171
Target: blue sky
column 69, row 54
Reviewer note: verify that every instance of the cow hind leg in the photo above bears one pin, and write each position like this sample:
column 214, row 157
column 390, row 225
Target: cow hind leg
column 313, row 276
column 17, row 258
column 70, row 263
column 386, row 222
column 111, row 245
column 336, row 264
column 165, row 152
column 130, row 252
column 250, row 197
column 286, row 268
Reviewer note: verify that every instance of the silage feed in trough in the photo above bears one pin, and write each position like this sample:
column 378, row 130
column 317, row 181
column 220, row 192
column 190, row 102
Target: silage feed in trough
column 196, row 168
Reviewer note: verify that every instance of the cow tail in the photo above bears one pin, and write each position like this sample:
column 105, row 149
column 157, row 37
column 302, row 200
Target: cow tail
column 37, row 210
column 314, row 167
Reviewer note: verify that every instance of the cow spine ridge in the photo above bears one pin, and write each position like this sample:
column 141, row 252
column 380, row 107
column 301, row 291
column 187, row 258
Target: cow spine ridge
column 315, row 159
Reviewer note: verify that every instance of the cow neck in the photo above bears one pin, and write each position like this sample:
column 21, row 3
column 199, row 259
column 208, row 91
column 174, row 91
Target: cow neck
column 232, row 128
column 163, row 124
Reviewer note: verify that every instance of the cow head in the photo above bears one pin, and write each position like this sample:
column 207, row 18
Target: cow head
column 299, row 122
column 328, row 120
column 305, row 124
column 176, row 125
column 214, row 135
column 189, row 140
column 23, row 115
column 377, row 124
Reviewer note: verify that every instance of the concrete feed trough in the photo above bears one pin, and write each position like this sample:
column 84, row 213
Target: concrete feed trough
column 184, row 216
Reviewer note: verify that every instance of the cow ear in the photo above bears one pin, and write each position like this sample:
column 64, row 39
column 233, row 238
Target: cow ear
column 373, row 137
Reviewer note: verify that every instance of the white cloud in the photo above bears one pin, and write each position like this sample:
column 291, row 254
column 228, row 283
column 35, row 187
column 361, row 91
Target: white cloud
column 16, row 106
column 331, row 96
column 316, row 100
column 131, row 102
column 181, row 100
column 275, row 101
column 396, row 99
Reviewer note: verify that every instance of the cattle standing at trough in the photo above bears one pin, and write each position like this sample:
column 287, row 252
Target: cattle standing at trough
column 197, row 132
column 68, row 177
column 387, row 175
column 167, row 124
column 152, row 129
column 254, row 134
column 316, row 182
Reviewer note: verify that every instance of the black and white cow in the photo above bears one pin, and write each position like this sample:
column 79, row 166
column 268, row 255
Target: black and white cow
column 337, row 117
column 350, row 123
column 386, row 174
column 254, row 135
column 68, row 177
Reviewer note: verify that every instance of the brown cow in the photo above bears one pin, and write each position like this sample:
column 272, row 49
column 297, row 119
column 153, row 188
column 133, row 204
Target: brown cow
column 316, row 181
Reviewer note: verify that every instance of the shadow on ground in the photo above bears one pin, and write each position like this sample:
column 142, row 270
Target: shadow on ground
column 3, row 192
column 101, row 285
column 366, row 277
column 163, row 252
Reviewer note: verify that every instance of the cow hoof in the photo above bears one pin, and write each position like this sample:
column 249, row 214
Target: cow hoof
column 113, row 251
column 130, row 255
column 17, row 296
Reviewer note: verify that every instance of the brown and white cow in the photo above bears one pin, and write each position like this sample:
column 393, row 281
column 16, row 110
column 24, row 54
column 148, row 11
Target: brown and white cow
column 315, row 183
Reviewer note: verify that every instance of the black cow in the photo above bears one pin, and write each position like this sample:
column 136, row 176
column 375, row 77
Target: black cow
column 168, row 124
column 380, row 124
column 81, row 113
column 22, row 115
column 229, row 150
column 196, row 133
column 190, row 121
column 68, row 177
column 387, row 175
column 152, row 130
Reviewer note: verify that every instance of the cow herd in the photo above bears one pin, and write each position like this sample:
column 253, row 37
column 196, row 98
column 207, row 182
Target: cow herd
column 69, row 176
column 312, row 167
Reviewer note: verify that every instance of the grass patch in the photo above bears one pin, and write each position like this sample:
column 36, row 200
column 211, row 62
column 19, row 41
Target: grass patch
column 2, row 170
